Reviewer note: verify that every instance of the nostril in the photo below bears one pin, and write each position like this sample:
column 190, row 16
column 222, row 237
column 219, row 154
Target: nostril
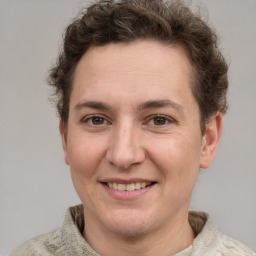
column 124, row 148
column 125, row 160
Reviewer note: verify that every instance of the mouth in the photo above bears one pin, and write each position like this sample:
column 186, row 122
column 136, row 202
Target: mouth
column 131, row 189
column 128, row 187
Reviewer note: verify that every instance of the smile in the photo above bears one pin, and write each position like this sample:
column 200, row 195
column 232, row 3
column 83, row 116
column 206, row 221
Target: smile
column 128, row 187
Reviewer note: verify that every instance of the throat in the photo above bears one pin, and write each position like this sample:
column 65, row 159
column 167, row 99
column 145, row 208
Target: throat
column 164, row 241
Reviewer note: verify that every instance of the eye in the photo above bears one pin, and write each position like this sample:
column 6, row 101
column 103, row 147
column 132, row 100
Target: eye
column 159, row 120
column 95, row 120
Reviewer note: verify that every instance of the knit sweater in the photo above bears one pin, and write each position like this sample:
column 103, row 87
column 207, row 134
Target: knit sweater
column 68, row 240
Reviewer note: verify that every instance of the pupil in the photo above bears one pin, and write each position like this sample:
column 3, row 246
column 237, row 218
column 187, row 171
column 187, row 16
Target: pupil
column 159, row 121
column 97, row 120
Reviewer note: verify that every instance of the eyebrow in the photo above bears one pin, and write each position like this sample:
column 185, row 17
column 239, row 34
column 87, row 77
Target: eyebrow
column 151, row 104
column 160, row 104
column 92, row 104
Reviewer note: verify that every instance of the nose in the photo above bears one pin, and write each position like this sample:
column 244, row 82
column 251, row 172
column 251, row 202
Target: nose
column 125, row 148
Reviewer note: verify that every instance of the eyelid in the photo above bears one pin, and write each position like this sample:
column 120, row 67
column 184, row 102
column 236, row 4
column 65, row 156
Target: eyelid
column 169, row 119
column 88, row 117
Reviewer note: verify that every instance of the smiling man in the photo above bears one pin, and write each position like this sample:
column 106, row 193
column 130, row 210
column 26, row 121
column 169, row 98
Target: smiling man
column 141, row 90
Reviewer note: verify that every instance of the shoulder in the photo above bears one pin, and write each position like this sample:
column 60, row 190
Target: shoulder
column 231, row 247
column 47, row 244
column 59, row 242
column 210, row 241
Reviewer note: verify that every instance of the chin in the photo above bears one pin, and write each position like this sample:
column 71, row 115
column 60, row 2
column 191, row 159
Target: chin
column 129, row 223
column 129, row 231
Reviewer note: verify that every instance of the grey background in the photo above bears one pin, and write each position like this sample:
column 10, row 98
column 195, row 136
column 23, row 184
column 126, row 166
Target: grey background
column 35, row 184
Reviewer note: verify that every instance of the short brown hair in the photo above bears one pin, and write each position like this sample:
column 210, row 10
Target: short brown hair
column 170, row 22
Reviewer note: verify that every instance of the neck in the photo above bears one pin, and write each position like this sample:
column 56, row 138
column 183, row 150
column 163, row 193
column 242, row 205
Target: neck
column 167, row 240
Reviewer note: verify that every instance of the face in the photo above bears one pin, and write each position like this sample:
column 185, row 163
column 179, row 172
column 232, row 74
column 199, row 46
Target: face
column 133, row 138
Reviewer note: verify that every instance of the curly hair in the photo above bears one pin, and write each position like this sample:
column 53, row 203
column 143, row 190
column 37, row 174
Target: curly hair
column 169, row 22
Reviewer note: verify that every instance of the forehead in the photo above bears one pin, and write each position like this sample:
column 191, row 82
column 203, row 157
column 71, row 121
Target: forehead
column 140, row 55
column 141, row 69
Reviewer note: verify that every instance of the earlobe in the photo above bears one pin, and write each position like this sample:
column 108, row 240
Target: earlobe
column 63, row 134
column 211, row 140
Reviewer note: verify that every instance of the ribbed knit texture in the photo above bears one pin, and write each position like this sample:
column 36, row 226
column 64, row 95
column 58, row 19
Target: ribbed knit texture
column 68, row 239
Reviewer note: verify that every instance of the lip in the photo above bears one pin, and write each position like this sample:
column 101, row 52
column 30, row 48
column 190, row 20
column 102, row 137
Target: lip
column 126, row 195
column 125, row 181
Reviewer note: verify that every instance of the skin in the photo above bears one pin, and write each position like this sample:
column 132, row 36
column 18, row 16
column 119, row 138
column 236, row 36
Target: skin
column 133, row 117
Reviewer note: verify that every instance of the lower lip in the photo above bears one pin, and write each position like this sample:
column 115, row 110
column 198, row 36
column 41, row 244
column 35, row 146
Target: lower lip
column 127, row 195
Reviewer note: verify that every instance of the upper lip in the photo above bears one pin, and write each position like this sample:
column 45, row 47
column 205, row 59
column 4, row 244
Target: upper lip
column 125, row 181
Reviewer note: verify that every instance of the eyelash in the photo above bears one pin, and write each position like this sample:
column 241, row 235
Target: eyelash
column 165, row 119
column 90, row 119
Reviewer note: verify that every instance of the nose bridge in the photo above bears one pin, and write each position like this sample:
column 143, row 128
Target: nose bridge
column 125, row 147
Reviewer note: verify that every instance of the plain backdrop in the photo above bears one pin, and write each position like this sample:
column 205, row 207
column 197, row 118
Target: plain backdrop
column 35, row 184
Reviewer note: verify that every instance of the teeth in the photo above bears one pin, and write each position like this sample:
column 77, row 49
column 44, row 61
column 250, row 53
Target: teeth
column 121, row 187
column 128, row 187
column 137, row 185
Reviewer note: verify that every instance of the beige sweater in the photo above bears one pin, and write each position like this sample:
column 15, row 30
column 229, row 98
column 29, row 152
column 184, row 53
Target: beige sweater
column 68, row 240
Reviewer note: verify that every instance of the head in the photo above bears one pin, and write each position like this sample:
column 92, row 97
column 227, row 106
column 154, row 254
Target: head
column 169, row 22
column 141, row 91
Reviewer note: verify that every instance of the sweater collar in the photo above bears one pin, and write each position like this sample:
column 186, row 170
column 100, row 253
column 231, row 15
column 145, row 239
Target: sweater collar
column 74, row 243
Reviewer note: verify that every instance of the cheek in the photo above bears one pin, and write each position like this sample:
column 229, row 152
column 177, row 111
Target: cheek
column 85, row 155
column 177, row 158
column 84, row 160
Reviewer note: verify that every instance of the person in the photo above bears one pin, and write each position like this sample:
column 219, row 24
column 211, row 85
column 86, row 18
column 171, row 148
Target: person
column 141, row 91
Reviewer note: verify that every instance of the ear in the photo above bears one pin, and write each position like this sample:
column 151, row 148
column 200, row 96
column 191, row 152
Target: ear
column 211, row 140
column 63, row 134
